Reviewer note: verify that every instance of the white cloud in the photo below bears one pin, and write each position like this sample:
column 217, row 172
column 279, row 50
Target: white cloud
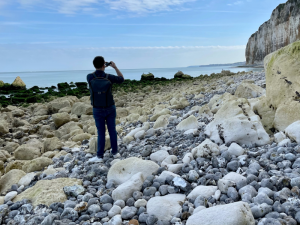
column 235, row 47
column 239, row 2
column 140, row 6
column 75, row 6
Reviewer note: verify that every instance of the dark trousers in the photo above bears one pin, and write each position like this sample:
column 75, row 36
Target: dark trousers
column 101, row 116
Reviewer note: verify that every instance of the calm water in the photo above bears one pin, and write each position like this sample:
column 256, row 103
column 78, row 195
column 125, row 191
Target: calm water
column 47, row 79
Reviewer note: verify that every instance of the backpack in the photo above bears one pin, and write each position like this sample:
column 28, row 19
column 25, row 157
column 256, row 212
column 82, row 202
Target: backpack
column 101, row 92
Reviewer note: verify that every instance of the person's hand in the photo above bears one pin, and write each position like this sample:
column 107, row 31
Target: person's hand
column 113, row 65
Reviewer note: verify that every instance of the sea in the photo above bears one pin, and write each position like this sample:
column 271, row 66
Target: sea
column 49, row 78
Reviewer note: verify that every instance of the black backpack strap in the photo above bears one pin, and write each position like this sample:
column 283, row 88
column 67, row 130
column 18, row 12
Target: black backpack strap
column 107, row 76
column 94, row 74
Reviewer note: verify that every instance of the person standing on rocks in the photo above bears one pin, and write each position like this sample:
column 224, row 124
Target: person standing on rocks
column 104, row 109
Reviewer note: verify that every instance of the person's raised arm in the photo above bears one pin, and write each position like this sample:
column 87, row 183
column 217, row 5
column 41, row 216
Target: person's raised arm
column 113, row 65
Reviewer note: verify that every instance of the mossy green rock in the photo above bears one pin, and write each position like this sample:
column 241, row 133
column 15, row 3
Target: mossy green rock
column 148, row 76
column 18, row 83
column 186, row 76
column 283, row 87
column 10, row 178
column 48, row 191
column 179, row 74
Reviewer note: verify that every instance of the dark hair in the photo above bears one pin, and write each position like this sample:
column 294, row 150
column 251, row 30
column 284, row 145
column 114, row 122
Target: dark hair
column 98, row 62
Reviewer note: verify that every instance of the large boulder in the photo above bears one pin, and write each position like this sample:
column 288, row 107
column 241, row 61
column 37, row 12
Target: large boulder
column 286, row 114
column 18, row 83
column 231, row 214
column 16, row 164
column 11, row 147
column 123, row 170
column 293, row 131
column 37, row 119
column 248, row 90
column 60, row 119
column 25, row 152
column 236, row 122
column 81, row 108
column 37, row 164
column 206, row 149
column 148, row 76
column 266, row 112
column 282, row 82
column 59, row 103
column 50, row 144
column 10, row 178
column 4, row 127
column 125, row 190
column 41, row 110
column 165, row 207
column 47, row 192
column 189, row 123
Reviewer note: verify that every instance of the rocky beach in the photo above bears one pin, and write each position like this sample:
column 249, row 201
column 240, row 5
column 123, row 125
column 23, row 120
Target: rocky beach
column 213, row 150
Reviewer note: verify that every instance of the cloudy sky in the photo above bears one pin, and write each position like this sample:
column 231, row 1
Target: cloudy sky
column 49, row 35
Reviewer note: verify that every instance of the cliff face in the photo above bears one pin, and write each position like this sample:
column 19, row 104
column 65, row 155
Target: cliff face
column 282, row 29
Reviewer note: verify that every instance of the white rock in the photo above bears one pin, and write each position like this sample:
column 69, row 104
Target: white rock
column 134, row 131
column 126, row 189
column 198, row 209
column 140, row 203
column 206, row 149
column 171, row 159
column 172, row 118
column 162, row 122
column 191, row 131
column 223, row 147
column 123, row 170
column 10, row 195
column 174, row 168
column 201, row 190
column 236, row 122
column 165, row 207
column 293, row 131
column 26, row 179
column 140, row 135
column 235, row 149
column 235, row 177
column 188, row 158
column 116, row 220
column 280, row 136
column 115, row 210
column 114, row 161
column 217, row 194
column 159, row 156
column 163, row 176
column 231, row 214
column 150, row 132
column 188, row 123
column 224, row 184
column 284, row 143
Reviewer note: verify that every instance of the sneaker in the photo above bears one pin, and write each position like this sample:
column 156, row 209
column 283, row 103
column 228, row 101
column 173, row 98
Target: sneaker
column 96, row 159
column 115, row 156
